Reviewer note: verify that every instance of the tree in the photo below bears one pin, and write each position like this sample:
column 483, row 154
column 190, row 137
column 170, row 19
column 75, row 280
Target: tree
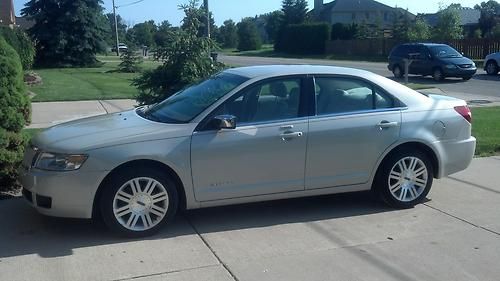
column 248, row 37
column 419, row 31
column 273, row 23
column 144, row 33
column 15, row 114
column 363, row 31
column 67, row 33
column 448, row 25
column 294, row 11
column 164, row 33
column 228, row 34
column 186, row 61
column 122, row 29
column 401, row 25
column 495, row 32
column 131, row 61
column 490, row 16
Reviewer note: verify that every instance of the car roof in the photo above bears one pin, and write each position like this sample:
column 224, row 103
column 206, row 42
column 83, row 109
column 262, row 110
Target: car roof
column 423, row 44
column 284, row 70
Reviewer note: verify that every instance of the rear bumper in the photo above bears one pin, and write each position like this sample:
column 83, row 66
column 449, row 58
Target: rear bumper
column 456, row 156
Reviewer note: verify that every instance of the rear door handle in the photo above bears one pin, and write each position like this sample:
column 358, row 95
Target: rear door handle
column 387, row 124
column 286, row 136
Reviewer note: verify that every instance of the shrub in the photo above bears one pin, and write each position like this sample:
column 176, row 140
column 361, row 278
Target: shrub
column 304, row 39
column 130, row 61
column 21, row 43
column 248, row 36
column 14, row 115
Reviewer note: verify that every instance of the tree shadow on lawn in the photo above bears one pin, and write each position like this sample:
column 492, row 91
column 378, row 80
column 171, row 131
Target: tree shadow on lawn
column 26, row 232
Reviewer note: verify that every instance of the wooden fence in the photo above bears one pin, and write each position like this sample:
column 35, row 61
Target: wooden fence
column 473, row 48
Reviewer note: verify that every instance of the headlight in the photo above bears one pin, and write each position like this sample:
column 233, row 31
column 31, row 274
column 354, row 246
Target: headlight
column 450, row 66
column 473, row 64
column 59, row 162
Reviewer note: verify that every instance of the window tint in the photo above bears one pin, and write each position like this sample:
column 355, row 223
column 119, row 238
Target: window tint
column 342, row 95
column 268, row 101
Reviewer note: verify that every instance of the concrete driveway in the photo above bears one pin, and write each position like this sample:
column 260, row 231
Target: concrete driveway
column 453, row 236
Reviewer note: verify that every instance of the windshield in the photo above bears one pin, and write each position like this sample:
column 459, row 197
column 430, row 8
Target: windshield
column 444, row 52
column 185, row 105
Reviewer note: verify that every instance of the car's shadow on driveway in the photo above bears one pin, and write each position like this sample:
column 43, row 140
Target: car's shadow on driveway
column 23, row 231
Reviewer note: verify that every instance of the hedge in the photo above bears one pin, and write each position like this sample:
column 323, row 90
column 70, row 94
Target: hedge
column 14, row 115
column 303, row 39
column 21, row 43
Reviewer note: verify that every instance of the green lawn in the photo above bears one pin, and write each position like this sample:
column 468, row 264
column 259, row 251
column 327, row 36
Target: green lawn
column 69, row 84
column 486, row 128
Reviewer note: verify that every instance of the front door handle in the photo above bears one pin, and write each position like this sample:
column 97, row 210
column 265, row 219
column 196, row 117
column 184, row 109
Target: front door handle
column 386, row 124
column 287, row 136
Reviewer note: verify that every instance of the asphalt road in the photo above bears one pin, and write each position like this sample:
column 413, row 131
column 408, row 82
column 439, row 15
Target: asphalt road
column 455, row 235
column 481, row 85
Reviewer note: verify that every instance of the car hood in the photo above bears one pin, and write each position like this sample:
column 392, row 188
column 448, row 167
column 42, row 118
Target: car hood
column 106, row 130
column 460, row 60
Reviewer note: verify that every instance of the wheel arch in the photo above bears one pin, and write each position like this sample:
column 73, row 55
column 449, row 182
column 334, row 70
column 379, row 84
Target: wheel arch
column 154, row 164
column 429, row 152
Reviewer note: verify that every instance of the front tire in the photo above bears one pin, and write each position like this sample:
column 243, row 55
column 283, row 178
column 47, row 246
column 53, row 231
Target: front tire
column 466, row 78
column 404, row 179
column 398, row 73
column 138, row 202
column 491, row 68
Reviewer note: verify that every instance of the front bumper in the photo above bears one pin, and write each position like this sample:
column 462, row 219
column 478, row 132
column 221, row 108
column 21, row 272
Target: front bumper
column 61, row 194
column 459, row 72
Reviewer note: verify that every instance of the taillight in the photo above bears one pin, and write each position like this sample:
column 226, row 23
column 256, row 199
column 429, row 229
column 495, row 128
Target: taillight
column 465, row 112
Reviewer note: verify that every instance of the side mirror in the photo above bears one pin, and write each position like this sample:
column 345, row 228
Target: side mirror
column 223, row 122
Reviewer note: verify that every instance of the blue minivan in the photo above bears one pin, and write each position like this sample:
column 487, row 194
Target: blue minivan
column 438, row 60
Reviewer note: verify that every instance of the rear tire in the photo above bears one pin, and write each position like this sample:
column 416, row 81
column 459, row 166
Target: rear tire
column 438, row 75
column 491, row 68
column 396, row 70
column 138, row 201
column 404, row 179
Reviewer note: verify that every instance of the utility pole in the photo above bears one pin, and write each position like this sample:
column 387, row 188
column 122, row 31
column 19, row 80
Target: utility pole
column 205, row 3
column 116, row 30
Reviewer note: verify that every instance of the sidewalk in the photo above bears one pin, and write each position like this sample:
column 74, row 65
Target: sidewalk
column 46, row 114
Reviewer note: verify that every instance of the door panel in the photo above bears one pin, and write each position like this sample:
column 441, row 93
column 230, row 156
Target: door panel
column 248, row 161
column 343, row 150
column 355, row 123
column 265, row 154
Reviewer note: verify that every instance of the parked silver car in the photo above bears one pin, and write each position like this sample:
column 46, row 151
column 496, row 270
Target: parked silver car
column 245, row 135
column 492, row 63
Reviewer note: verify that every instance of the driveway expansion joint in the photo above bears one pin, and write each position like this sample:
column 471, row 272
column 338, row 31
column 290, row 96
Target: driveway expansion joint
column 163, row 273
column 226, row 267
column 463, row 220
column 103, row 107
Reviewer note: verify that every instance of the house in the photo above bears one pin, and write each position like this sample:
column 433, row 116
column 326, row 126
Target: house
column 7, row 15
column 357, row 12
column 469, row 18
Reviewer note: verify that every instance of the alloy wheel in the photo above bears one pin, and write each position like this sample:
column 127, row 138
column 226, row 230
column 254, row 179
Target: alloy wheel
column 408, row 179
column 140, row 204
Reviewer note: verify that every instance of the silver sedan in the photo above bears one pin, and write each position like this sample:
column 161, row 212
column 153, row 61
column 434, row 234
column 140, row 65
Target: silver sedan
column 245, row 135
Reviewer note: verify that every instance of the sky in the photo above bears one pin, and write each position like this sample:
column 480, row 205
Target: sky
column 160, row 10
